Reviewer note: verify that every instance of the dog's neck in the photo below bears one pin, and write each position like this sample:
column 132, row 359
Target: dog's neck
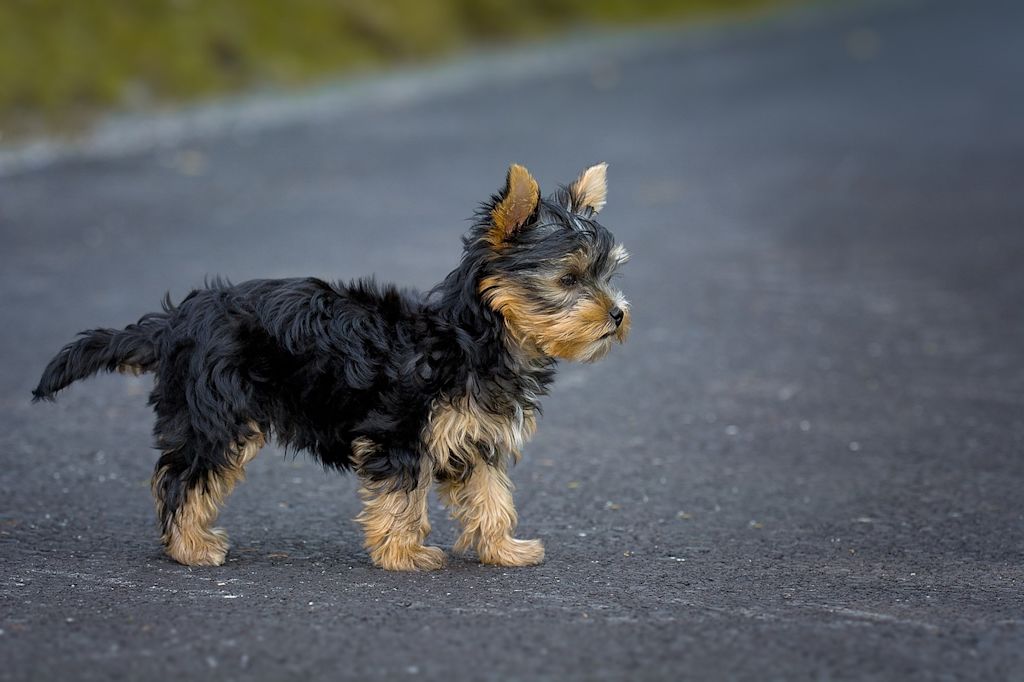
column 497, row 369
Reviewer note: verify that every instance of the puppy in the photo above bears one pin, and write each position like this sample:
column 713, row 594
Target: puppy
column 402, row 388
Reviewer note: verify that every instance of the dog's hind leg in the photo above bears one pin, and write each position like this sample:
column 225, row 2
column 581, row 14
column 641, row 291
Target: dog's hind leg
column 190, row 485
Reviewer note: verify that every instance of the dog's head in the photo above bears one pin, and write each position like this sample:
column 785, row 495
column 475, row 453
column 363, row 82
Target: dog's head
column 550, row 265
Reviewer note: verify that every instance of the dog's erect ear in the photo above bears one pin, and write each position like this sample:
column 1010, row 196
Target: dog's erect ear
column 590, row 189
column 517, row 203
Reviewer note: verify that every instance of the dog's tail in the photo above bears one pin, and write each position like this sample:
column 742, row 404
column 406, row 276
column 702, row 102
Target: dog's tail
column 131, row 350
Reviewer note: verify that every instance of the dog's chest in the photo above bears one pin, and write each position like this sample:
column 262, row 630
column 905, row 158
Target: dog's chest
column 459, row 433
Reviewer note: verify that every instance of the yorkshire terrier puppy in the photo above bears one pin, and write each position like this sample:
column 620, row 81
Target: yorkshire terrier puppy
column 404, row 389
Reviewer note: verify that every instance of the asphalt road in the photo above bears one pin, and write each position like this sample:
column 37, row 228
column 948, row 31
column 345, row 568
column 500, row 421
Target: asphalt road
column 805, row 464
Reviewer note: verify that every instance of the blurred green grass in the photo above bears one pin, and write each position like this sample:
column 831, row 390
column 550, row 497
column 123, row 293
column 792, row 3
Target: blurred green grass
column 63, row 61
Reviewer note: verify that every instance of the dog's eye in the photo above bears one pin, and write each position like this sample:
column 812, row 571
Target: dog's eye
column 568, row 280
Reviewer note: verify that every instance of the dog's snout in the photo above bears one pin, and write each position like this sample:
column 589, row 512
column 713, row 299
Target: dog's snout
column 617, row 314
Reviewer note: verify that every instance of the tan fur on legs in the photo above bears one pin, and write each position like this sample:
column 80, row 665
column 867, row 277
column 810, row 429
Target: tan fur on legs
column 189, row 539
column 483, row 505
column 395, row 522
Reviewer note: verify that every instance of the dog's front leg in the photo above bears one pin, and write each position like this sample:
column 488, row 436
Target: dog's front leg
column 394, row 515
column 482, row 503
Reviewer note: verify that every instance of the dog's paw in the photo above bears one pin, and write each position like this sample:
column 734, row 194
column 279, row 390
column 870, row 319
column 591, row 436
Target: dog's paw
column 512, row 552
column 203, row 548
column 414, row 558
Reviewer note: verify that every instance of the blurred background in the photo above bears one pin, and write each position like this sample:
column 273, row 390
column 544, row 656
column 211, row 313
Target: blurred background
column 805, row 463
column 63, row 62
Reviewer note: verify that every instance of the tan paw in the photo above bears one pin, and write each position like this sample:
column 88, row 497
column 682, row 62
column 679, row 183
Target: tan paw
column 198, row 548
column 408, row 558
column 512, row 552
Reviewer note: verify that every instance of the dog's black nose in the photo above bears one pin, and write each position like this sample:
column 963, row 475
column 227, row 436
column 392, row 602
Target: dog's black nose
column 617, row 315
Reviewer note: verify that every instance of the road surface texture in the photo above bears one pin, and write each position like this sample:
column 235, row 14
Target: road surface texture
column 805, row 464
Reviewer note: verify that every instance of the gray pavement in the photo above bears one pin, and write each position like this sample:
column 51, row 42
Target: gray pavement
column 806, row 463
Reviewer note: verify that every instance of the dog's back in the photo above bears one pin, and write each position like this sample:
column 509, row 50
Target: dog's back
column 297, row 317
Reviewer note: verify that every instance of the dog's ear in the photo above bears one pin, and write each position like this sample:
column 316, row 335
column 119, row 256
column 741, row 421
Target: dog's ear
column 590, row 189
column 516, row 203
